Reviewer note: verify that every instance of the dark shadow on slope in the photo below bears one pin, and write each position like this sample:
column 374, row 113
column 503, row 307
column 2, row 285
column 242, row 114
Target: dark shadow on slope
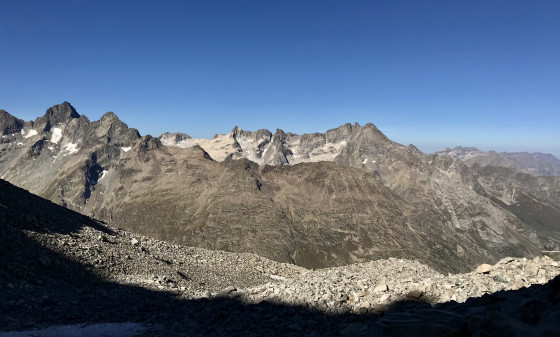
column 38, row 292
column 27, row 211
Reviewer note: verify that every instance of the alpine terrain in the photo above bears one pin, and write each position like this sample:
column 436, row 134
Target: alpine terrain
column 348, row 195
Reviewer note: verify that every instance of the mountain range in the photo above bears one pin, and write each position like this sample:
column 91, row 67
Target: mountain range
column 316, row 200
column 539, row 164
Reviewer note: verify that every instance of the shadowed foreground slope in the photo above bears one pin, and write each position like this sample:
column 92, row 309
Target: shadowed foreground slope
column 45, row 284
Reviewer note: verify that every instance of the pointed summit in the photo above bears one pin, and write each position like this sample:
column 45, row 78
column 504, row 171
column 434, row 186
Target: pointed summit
column 110, row 129
column 110, row 116
column 59, row 113
column 62, row 112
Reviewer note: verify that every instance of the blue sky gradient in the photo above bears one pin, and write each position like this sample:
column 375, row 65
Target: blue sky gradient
column 431, row 73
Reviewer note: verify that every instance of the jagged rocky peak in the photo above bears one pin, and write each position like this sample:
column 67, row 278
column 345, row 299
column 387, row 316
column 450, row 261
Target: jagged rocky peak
column 110, row 117
column 259, row 135
column 168, row 138
column 60, row 113
column 255, row 141
column 368, row 147
column 341, row 133
column 9, row 124
column 279, row 135
column 278, row 151
column 368, row 132
column 413, row 149
column 110, row 129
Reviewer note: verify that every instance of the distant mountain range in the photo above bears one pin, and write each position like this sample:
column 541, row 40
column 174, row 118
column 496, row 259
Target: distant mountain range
column 540, row 164
column 317, row 200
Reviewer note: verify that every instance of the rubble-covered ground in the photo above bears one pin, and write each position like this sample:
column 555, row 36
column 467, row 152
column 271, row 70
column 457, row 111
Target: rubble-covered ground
column 60, row 268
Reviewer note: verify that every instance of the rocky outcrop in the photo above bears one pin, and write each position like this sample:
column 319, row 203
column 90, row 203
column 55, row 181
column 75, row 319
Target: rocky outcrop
column 173, row 138
column 278, row 151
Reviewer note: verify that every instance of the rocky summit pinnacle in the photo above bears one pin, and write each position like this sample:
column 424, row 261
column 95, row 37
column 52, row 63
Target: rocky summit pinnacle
column 60, row 113
column 110, row 115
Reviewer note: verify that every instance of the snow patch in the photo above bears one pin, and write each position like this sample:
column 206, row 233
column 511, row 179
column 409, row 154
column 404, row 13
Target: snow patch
column 365, row 161
column 219, row 148
column 103, row 174
column 126, row 149
column 278, row 278
column 56, row 135
column 325, row 152
column 83, row 330
column 70, row 148
column 20, row 143
column 31, row 133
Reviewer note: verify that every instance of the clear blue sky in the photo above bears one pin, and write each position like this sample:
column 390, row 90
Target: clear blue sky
column 431, row 73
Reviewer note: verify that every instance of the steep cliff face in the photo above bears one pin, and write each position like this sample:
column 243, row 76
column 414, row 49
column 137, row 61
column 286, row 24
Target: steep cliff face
column 323, row 199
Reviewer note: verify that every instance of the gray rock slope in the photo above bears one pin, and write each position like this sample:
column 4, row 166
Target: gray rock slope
column 60, row 267
column 346, row 196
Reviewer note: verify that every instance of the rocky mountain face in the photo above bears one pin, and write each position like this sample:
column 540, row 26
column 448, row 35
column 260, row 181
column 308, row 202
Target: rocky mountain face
column 61, row 155
column 60, row 267
column 318, row 200
column 539, row 164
